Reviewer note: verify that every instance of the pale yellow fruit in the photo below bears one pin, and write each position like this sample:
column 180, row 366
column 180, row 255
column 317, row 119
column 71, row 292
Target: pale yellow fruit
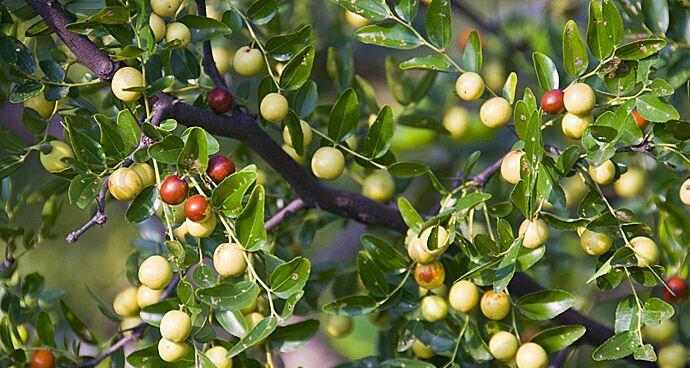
column 217, row 355
column 494, row 74
column 228, row 259
column 456, row 121
column 178, row 31
column 147, row 296
column 125, row 303
column 128, row 324
column 52, row 161
column 535, row 233
column 379, row 186
column 338, row 326
column 495, row 306
column 574, row 126
column 155, row 272
column 124, row 78
column 646, row 251
column 511, row 166
column 355, row 20
column 442, row 240
column 223, row 58
column 158, row 27
column 165, row 8
column 503, row 345
column 182, row 231
column 421, row 350
column 202, row 229
column 42, row 106
column 328, row 163
column 575, row 189
column 292, row 153
column 495, row 112
column 176, row 326
column 306, row 134
column 125, row 184
column 604, row 173
column 531, row 355
column 630, row 184
column 248, row 62
column 434, row 308
column 416, row 251
column 253, row 319
column 579, row 98
column 684, row 191
column 463, row 296
column 594, row 243
column 673, row 356
column 145, row 172
column 274, row 107
column 661, row 333
column 469, row 86
column 171, row 351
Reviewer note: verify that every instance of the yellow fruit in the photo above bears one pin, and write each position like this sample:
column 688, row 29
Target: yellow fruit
column 535, row 233
column 165, row 8
column 306, row 134
column 416, row 251
column 494, row 74
column 511, row 166
column 145, row 172
column 125, row 184
column 52, row 161
column 431, row 275
column 248, row 62
column 646, row 251
column 274, row 107
column 434, row 308
column 202, row 229
column 442, row 240
column 124, row 78
column 178, row 31
column 579, row 98
column 379, row 186
column 338, row 326
column 495, row 306
column 42, row 106
column 531, row 355
column 171, row 351
column 630, row 183
column 155, row 272
column 684, row 192
column 574, row 126
column 503, row 345
column 217, row 355
column 125, row 303
column 463, row 296
column 327, row 163
column 575, row 189
column 147, row 296
column 594, row 243
column 176, row 326
column 292, row 153
column 456, row 121
column 228, row 259
column 421, row 350
column 253, row 319
column 661, row 333
column 469, row 86
column 158, row 27
column 223, row 58
column 604, row 173
column 495, row 112
column 673, row 356
column 128, row 324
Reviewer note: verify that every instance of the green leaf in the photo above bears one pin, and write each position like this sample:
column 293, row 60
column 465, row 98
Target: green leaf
column 640, row 49
column 294, row 126
column 9, row 165
column 656, row 15
column 344, row 115
column 45, row 329
column 545, row 304
column 298, row 69
column 52, row 70
column 143, row 206
column 184, row 65
column 194, row 154
column 129, row 129
column 25, row 90
column 506, row 269
column 292, row 337
column 262, row 11
column 411, row 217
column 375, row 10
column 113, row 144
column 290, row 277
column 380, row 135
column 655, row 310
column 372, row 278
column 229, row 193
column 407, row 169
column 385, row 256
column 351, row 305
column 428, row 62
column 438, row 23
column 229, row 296
column 391, row 35
column 249, row 225
column 83, row 189
column 282, row 47
column 106, row 310
column 233, row 322
column 614, row 22
column 654, row 109
column 406, row 363
column 255, row 336
column 77, row 325
column 558, row 338
column 617, row 347
column 575, row 59
column 204, row 28
column 598, row 38
column 509, row 87
column 472, row 55
column 168, row 150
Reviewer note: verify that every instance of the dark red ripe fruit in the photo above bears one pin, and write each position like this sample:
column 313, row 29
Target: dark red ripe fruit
column 220, row 100
column 197, row 208
column 641, row 122
column 219, row 167
column 552, row 101
column 680, row 289
column 174, row 190
column 42, row 359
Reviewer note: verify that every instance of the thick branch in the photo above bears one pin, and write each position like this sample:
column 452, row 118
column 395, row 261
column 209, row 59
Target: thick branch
column 207, row 61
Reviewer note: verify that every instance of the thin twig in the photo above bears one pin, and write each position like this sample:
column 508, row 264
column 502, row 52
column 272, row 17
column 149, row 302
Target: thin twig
column 293, row 207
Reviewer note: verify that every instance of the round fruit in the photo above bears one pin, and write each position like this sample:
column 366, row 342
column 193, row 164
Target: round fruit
column 495, row 306
column 641, row 122
column 494, row 74
column 174, row 190
column 531, row 355
column 594, row 243
column 176, row 326
column 684, row 190
column 680, row 290
column 165, row 8
column 182, row 231
column 217, row 355
column 463, row 296
column 253, row 319
column 178, row 31
column 125, row 184
column 128, row 324
column 125, row 303
column 220, row 100
column 306, row 134
column 673, row 356
column 223, row 59
column 630, row 183
column 158, row 27
column 274, row 107
column 417, row 252
column 355, row 20
column 495, row 112
column 469, row 86
column 248, row 62
column 503, row 345
column 574, row 126
column 327, row 163
column 42, row 359
column 456, row 121
column 661, row 333
column 145, row 172
column 228, row 259
column 197, row 208
column 579, row 99
column 155, row 272
column 604, row 173
column 52, row 161
column 434, row 308
column 552, row 101
column 430, row 275
column 292, row 153
column 219, row 168
column 646, row 251
column 442, row 240
column 338, row 326
column 42, row 106
column 147, row 296
column 124, row 78
column 202, row 229
column 379, row 186
column 511, row 166
column 421, row 350
column 535, row 233
column 171, row 351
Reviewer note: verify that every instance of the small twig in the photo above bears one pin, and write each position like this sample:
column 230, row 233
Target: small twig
column 207, row 61
column 293, row 207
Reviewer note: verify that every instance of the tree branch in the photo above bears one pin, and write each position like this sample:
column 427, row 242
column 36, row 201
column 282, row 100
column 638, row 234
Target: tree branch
column 293, row 207
column 207, row 61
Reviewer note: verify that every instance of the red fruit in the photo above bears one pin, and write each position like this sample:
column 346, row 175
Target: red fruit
column 680, row 289
column 174, row 190
column 220, row 100
column 219, row 167
column 197, row 208
column 552, row 101
column 42, row 359
column 641, row 122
